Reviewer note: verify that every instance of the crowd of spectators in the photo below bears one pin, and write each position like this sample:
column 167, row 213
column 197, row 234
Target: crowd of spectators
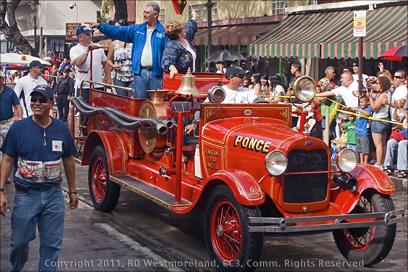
column 372, row 123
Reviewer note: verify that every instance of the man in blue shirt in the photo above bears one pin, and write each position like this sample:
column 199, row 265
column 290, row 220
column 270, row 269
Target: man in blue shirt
column 38, row 146
column 148, row 45
column 8, row 100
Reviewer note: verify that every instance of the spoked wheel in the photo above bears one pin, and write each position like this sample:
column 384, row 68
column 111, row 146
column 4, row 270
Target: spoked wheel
column 226, row 232
column 104, row 193
column 368, row 244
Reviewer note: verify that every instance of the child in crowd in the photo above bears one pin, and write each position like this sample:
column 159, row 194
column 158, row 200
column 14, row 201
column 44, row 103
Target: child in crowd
column 340, row 143
column 362, row 129
column 351, row 133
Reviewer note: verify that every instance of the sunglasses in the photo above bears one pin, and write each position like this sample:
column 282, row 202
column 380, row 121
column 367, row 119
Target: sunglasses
column 400, row 77
column 42, row 100
column 375, row 91
column 354, row 65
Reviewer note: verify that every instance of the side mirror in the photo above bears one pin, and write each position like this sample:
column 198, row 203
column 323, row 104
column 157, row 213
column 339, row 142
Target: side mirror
column 304, row 88
column 216, row 94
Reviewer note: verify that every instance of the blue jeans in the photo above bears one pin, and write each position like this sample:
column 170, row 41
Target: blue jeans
column 146, row 81
column 120, row 83
column 45, row 208
column 401, row 148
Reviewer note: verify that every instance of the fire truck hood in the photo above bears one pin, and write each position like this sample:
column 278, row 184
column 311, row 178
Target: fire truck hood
column 259, row 135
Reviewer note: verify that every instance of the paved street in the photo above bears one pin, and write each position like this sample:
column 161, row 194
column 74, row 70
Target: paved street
column 142, row 236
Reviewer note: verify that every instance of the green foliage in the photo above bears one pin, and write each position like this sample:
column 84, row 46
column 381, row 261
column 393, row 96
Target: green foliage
column 105, row 11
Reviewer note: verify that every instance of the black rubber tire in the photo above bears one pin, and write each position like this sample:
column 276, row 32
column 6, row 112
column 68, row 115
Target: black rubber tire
column 107, row 202
column 381, row 243
column 251, row 242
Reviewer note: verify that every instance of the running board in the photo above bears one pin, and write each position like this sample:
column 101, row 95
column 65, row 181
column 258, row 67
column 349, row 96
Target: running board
column 152, row 193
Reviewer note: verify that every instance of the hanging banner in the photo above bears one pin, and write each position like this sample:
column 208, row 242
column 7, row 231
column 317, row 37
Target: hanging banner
column 359, row 28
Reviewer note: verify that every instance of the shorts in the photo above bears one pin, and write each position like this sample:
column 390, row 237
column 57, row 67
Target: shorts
column 363, row 144
column 380, row 127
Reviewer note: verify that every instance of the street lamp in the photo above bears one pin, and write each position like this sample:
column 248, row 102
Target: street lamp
column 74, row 5
column 34, row 5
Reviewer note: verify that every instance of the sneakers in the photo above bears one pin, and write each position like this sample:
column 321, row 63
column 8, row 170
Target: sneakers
column 381, row 167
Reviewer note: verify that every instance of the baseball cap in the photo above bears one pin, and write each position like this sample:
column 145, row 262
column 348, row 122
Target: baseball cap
column 1, row 74
column 43, row 89
column 67, row 70
column 83, row 29
column 36, row 63
column 235, row 71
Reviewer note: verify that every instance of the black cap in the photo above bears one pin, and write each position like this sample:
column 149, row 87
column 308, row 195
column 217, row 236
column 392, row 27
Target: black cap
column 67, row 70
column 36, row 63
column 43, row 89
column 235, row 71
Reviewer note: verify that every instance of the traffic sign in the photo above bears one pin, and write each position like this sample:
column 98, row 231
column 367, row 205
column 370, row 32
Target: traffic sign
column 70, row 30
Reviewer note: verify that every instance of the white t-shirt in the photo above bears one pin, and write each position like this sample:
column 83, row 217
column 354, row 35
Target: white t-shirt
column 347, row 94
column 278, row 91
column 355, row 77
column 400, row 93
column 26, row 84
column 147, row 56
column 84, row 71
column 192, row 52
column 242, row 95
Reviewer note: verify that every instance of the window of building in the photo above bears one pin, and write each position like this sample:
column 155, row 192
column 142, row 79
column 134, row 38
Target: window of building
column 278, row 7
column 201, row 10
column 161, row 17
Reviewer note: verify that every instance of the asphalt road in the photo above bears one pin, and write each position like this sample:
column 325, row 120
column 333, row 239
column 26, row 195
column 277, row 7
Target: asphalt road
column 142, row 236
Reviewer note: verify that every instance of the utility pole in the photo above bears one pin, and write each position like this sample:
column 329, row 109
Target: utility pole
column 209, row 5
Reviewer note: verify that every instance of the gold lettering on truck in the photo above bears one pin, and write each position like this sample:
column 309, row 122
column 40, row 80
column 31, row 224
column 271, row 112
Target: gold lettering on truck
column 212, row 152
column 252, row 144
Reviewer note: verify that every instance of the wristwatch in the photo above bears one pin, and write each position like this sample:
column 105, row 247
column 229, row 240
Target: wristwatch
column 2, row 190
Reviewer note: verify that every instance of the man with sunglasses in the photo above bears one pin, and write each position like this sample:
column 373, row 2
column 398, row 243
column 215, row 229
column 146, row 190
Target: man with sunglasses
column 234, row 92
column 400, row 94
column 356, row 71
column 37, row 158
column 26, row 84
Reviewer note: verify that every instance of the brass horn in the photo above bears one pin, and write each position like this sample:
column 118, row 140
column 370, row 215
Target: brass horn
column 188, row 84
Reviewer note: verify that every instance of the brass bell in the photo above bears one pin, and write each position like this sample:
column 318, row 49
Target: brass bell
column 188, row 84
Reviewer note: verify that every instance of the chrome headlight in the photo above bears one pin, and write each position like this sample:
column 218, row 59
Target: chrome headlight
column 304, row 88
column 346, row 160
column 276, row 162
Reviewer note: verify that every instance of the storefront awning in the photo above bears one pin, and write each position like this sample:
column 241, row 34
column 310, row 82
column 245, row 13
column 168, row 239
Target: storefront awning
column 386, row 28
column 231, row 35
column 300, row 35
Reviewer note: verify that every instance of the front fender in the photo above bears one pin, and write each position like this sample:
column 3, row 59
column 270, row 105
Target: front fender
column 115, row 146
column 368, row 177
column 245, row 188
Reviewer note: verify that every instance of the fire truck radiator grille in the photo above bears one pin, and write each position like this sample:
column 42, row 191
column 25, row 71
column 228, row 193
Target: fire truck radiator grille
column 306, row 188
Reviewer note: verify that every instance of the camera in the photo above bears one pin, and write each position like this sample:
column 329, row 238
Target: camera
column 72, row 5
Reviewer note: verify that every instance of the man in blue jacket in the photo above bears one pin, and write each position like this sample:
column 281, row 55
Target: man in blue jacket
column 148, row 44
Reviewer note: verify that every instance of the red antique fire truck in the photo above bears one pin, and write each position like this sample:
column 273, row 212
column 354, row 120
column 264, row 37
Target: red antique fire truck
column 246, row 168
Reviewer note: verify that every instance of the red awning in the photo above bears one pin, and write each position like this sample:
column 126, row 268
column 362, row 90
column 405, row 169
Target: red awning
column 231, row 35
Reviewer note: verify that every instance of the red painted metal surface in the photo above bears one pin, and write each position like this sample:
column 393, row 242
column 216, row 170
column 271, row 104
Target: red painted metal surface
column 234, row 141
